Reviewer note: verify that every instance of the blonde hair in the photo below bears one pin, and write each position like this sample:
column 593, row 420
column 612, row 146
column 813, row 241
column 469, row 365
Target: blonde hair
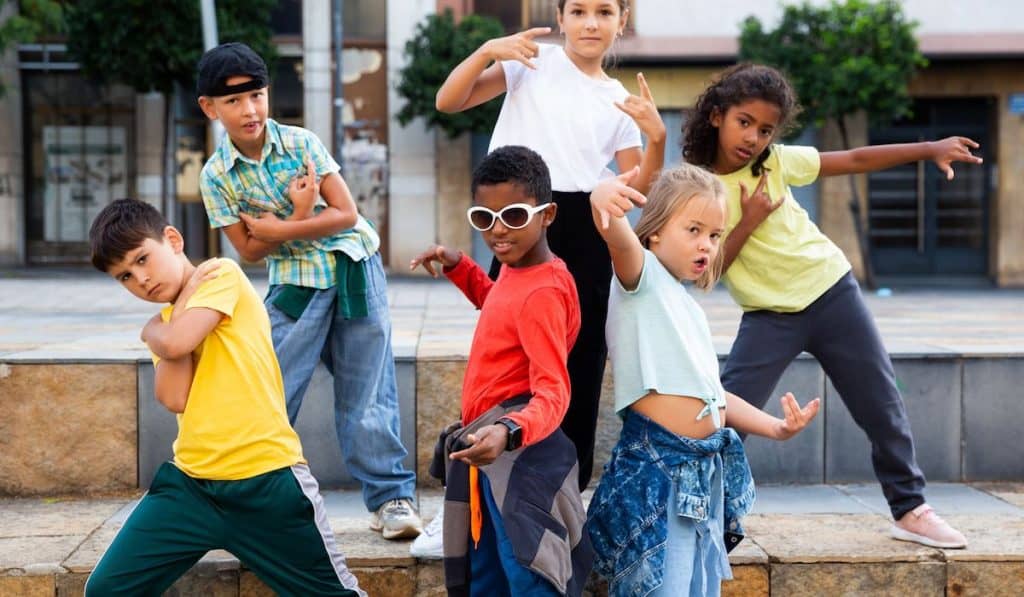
column 673, row 190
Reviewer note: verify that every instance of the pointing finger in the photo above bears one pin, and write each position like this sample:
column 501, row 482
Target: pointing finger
column 970, row 142
column 761, row 183
column 536, row 31
column 645, row 90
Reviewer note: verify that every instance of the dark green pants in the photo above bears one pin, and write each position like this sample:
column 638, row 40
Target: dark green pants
column 274, row 523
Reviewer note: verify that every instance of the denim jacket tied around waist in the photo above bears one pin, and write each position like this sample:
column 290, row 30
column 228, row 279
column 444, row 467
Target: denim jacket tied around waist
column 627, row 518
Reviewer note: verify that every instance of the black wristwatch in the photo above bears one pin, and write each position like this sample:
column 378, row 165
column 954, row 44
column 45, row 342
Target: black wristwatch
column 515, row 433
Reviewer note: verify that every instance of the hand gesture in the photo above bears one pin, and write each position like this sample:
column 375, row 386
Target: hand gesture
column 304, row 190
column 206, row 270
column 519, row 47
column 644, row 112
column 484, row 446
column 796, row 418
column 953, row 149
column 757, row 206
column 264, row 228
column 447, row 257
column 613, row 197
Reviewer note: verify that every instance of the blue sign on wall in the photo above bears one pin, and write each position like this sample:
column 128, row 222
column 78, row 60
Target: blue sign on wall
column 1017, row 103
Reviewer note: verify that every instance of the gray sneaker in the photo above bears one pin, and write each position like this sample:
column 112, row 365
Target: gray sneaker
column 397, row 519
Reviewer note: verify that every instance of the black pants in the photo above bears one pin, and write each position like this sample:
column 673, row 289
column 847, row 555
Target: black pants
column 838, row 330
column 574, row 238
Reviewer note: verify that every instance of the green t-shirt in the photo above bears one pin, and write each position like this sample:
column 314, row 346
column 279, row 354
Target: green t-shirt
column 786, row 263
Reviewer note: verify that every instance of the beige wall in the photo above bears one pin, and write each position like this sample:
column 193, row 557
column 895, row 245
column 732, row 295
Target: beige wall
column 672, row 88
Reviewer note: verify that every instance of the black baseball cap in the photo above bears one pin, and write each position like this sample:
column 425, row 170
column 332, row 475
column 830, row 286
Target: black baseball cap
column 230, row 60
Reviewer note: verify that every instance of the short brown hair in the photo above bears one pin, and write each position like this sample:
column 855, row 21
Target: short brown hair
column 123, row 226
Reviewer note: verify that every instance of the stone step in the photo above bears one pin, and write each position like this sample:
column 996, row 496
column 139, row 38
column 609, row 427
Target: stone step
column 79, row 416
column 802, row 540
column 81, row 426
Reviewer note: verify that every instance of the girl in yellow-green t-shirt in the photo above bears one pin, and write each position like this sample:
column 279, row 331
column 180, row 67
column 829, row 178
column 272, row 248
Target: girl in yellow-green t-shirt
column 795, row 285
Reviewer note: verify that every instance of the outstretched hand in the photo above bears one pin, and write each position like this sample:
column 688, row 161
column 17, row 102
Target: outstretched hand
column 796, row 418
column 642, row 109
column 757, row 206
column 613, row 197
column 953, row 149
column 447, row 257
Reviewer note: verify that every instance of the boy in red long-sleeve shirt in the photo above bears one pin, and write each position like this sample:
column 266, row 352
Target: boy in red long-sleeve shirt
column 529, row 319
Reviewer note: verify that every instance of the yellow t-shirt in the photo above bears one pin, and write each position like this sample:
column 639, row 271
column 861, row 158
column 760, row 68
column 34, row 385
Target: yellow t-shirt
column 787, row 263
column 235, row 425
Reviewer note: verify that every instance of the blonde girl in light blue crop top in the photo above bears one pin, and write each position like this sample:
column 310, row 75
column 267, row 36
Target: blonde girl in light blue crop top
column 664, row 364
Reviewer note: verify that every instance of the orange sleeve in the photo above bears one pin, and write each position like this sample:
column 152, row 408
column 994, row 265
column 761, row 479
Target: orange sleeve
column 543, row 326
column 471, row 279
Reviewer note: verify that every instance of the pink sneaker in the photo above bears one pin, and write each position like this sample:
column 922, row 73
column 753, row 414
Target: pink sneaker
column 922, row 525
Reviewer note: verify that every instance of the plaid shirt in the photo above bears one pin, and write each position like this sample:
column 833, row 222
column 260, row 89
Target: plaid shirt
column 231, row 182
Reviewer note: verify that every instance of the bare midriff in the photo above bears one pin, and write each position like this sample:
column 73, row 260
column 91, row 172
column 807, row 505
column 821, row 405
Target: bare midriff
column 678, row 414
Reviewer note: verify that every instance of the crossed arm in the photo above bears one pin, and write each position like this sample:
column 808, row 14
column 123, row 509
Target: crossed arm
column 175, row 340
column 255, row 238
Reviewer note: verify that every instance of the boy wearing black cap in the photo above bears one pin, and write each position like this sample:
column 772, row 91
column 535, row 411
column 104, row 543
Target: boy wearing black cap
column 328, row 294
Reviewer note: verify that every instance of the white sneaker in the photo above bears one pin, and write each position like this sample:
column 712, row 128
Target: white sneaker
column 430, row 544
column 397, row 519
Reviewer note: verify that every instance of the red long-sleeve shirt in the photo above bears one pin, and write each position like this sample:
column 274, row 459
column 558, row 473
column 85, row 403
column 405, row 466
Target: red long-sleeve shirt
column 529, row 319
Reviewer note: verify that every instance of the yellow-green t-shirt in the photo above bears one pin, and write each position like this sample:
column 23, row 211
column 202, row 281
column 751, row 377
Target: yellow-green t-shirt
column 235, row 425
column 786, row 263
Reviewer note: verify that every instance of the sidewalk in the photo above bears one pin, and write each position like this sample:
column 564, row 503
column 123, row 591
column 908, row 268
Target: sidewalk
column 806, row 540
column 74, row 314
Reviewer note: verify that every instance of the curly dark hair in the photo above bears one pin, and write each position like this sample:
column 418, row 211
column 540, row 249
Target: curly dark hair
column 122, row 226
column 518, row 165
column 735, row 85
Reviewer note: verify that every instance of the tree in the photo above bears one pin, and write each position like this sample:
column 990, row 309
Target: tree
column 36, row 18
column 154, row 45
column 438, row 46
column 842, row 59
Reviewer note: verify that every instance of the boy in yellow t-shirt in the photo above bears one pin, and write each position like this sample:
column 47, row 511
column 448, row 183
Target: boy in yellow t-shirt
column 238, row 480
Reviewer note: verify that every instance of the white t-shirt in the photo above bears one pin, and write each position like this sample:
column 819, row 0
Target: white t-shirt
column 565, row 116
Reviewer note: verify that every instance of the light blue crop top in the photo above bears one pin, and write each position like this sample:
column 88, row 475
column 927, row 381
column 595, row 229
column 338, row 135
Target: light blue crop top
column 659, row 340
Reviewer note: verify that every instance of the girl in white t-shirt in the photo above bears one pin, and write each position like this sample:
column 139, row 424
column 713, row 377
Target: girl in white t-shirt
column 560, row 103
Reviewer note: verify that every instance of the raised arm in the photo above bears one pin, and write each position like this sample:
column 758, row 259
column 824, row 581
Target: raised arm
column 642, row 109
column 879, row 157
column 480, row 76
column 609, row 202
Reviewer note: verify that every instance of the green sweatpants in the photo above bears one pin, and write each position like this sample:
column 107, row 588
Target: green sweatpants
column 274, row 523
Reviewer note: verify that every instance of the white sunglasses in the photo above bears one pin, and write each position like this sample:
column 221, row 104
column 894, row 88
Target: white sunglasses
column 514, row 217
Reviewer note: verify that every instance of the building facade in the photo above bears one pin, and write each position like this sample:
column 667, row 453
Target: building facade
column 70, row 146
column 921, row 228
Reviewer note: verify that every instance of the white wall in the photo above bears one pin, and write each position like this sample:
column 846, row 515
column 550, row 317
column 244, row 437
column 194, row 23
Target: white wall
column 722, row 17
column 412, row 181
column 12, row 229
